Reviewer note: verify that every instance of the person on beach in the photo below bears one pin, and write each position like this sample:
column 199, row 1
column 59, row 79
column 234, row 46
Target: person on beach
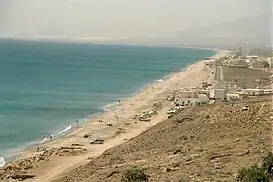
column 77, row 123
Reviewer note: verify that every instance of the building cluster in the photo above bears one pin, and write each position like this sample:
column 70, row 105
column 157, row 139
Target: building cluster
column 209, row 94
column 235, row 94
column 241, row 59
column 250, row 62
column 201, row 96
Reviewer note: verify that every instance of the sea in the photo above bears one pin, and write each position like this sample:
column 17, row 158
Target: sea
column 46, row 86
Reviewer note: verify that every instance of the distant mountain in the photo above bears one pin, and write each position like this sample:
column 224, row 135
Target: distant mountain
column 251, row 31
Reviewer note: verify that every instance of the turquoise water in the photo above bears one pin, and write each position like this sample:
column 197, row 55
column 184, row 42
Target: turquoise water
column 46, row 86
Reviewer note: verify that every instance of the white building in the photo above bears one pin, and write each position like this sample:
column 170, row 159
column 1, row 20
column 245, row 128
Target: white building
column 219, row 94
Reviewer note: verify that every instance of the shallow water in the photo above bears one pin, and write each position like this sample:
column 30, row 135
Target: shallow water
column 46, row 86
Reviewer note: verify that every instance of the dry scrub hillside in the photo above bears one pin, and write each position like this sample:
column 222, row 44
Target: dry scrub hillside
column 206, row 143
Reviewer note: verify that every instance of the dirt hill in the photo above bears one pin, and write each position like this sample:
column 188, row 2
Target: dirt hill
column 205, row 143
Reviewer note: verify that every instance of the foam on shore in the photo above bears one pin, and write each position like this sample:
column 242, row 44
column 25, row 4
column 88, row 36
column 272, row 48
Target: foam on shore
column 111, row 106
column 2, row 162
column 160, row 80
column 66, row 129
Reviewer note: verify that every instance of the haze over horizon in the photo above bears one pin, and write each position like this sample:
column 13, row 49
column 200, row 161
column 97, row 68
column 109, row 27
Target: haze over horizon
column 122, row 20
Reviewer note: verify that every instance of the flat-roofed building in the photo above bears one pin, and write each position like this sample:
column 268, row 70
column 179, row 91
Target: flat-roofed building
column 188, row 94
column 219, row 94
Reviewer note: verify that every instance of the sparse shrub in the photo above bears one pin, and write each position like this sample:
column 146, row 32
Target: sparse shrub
column 267, row 164
column 252, row 174
column 134, row 175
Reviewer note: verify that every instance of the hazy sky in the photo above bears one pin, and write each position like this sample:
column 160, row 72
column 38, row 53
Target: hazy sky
column 119, row 18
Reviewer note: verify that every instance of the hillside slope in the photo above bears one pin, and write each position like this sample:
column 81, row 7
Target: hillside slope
column 206, row 143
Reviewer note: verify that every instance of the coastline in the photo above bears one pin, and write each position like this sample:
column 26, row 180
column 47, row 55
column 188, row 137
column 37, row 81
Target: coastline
column 115, row 106
column 141, row 101
column 18, row 153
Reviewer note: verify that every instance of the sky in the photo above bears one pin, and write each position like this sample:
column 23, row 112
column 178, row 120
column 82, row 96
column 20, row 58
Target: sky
column 119, row 18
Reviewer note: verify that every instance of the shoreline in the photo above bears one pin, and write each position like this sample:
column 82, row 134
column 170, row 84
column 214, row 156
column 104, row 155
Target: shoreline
column 127, row 108
column 112, row 107
column 19, row 152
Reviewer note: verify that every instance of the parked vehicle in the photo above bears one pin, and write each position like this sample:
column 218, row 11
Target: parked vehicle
column 97, row 141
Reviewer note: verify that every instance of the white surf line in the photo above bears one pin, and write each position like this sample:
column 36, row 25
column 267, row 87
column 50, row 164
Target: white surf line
column 2, row 162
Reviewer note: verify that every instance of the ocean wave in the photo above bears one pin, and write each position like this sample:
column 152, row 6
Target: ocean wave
column 108, row 107
column 105, row 109
column 160, row 80
column 66, row 129
column 2, row 162
column 44, row 140
column 84, row 119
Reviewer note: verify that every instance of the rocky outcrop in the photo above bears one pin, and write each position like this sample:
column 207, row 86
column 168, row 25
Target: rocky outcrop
column 17, row 170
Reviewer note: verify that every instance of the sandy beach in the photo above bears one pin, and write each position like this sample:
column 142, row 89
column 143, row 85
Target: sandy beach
column 121, row 118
